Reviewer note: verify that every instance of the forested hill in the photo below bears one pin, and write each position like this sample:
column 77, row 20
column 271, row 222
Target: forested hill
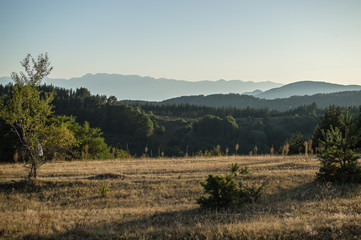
column 181, row 129
column 303, row 88
column 343, row 99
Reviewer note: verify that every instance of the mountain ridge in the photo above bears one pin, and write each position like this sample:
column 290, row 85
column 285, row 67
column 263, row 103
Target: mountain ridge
column 134, row 87
column 305, row 88
column 138, row 88
column 322, row 100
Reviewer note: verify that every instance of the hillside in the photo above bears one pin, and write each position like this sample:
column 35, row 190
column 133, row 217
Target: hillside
column 169, row 130
column 305, row 88
column 133, row 87
column 156, row 199
column 351, row 98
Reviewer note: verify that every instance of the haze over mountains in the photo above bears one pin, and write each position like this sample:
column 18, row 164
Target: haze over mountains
column 133, row 87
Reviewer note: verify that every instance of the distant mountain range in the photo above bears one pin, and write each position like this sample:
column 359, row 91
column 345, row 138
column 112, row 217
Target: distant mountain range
column 133, row 87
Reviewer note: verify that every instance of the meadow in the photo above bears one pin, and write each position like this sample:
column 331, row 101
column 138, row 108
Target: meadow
column 156, row 199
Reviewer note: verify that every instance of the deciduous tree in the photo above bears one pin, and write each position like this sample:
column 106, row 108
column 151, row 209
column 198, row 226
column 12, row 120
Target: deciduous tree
column 26, row 110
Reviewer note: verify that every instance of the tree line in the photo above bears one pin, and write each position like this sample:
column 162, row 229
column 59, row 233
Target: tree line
column 344, row 99
column 104, row 127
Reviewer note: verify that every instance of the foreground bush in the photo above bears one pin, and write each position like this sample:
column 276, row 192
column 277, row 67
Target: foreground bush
column 229, row 190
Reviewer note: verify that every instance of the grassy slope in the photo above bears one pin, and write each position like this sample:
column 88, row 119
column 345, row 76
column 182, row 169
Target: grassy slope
column 156, row 199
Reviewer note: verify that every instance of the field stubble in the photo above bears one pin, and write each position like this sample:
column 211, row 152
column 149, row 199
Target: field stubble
column 156, row 199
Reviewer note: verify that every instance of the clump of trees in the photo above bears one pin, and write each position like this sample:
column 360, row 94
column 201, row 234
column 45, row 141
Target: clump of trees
column 212, row 134
column 124, row 127
column 179, row 130
column 89, row 143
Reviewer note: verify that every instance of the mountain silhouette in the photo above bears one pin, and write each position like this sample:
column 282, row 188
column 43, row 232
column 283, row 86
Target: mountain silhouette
column 304, row 88
column 343, row 99
column 135, row 87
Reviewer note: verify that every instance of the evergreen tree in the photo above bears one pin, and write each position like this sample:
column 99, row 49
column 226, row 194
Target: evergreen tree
column 332, row 117
column 338, row 161
column 296, row 143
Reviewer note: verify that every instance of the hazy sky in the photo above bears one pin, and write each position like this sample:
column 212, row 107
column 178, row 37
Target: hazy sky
column 254, row 40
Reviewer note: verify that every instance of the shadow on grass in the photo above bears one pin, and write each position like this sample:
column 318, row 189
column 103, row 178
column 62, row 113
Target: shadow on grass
column 33, row 186
column 145, row 227
column 187, row 224
column 195, row 224
column 314, row 191
column 107, row 176
column 21, row 186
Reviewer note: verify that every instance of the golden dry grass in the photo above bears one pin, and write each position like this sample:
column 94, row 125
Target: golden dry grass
column 156, row 199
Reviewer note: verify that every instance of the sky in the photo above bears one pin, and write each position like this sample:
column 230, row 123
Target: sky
column 282, row 41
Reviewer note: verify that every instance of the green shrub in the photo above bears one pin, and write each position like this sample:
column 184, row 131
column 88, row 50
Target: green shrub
column 104, row 189
column 120, row 153
column 228, row 190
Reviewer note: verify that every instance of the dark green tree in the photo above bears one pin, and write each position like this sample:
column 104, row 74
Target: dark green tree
column 332, row 117
column 216, row 128
column 358, row 132
column 296, row 143
column 339, row 163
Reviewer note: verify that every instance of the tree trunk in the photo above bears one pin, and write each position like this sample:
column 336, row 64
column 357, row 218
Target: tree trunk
column 32, row 172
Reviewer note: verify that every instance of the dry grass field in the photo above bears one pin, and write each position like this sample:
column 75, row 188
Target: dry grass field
column 156, row 199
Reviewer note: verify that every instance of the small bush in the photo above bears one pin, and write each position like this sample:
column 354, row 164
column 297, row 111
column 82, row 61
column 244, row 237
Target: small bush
column 228, row 190
column 120, row 153
column 104, row 189
column 216, row 151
